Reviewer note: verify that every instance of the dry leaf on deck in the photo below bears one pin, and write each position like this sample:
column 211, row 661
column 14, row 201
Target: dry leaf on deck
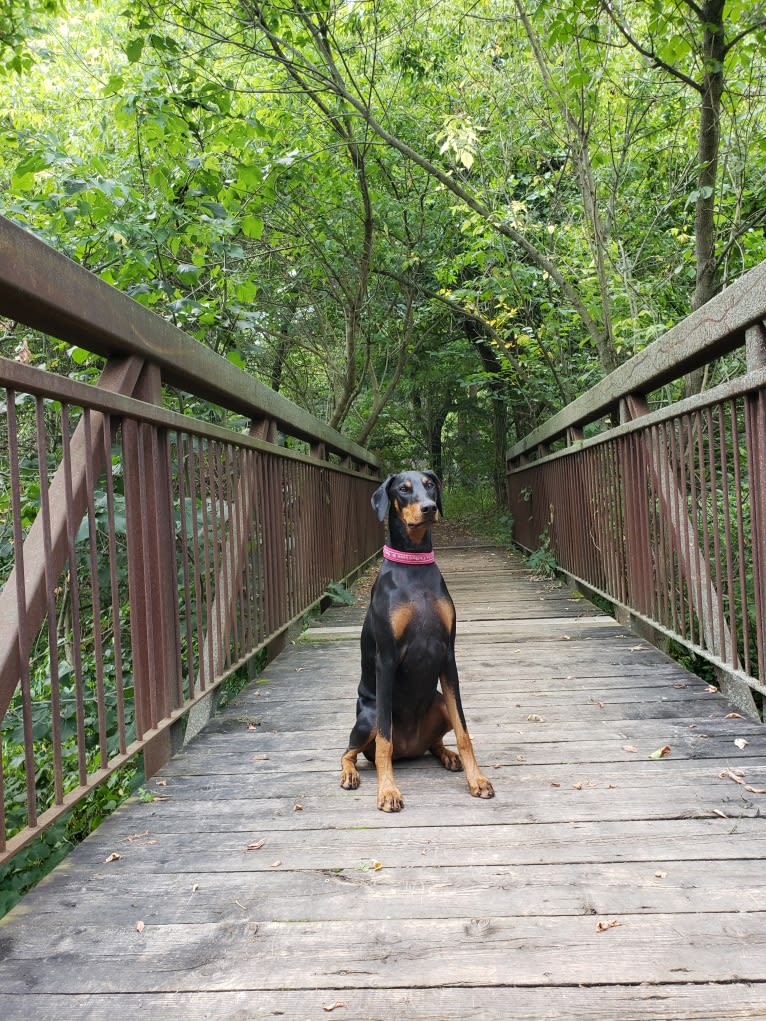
column 660, row 753
column 275, row 864
column 660, row 875
column 534, row 718
column 334, row 1006
column 737, row 776
column 603, row 926
column 297, row 807
column 629, row 748
column 114, row 856
column 139, row 926
column 734, row 716
column 257, row 845
column 740, row 742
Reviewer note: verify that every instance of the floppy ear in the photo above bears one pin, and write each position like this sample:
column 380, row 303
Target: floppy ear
column 380, row 499
column 436, row 481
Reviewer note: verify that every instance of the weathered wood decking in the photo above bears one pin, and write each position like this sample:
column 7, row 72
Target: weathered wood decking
column 599, row 884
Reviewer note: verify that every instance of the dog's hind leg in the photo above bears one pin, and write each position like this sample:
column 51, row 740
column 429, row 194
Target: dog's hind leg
column 362, row 739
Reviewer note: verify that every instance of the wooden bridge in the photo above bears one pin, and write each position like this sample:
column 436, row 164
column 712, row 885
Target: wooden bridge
column 614, row 876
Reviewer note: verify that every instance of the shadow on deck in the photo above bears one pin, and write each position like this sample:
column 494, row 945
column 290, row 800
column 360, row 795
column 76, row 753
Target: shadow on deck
column 599, row 884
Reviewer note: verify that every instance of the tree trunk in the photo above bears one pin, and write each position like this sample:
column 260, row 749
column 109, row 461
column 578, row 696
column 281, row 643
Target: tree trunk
column 707, row 283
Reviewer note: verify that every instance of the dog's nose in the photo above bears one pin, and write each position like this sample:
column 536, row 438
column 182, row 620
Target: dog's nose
column 428, row 508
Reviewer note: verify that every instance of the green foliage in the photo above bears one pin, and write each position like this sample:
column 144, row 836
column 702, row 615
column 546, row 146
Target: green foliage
column 339, row 595
column 542, row 561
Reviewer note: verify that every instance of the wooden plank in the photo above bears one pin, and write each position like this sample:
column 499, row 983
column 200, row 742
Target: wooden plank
column 672, row 1002
column 252, row 953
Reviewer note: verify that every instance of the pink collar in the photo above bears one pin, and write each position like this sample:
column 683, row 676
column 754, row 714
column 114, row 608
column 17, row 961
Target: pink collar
column 398, row 556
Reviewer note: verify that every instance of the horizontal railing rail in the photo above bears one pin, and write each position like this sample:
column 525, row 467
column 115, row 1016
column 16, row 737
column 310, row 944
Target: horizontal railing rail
column 145, row 555
column 662, row 510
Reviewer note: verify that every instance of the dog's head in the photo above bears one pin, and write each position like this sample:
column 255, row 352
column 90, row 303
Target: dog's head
column 415, row 498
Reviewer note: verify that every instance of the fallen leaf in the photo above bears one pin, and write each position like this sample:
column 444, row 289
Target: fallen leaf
column 660, row 875
column 161, row 783
column 376, row 865
column 260, row 758
column 297, row 807
column 139, row 926
column 521, row 758
column 334, row 1006
column 737, row 776
column 734, row 716
column 660, row 753
column 680, row 685
column 497, row 765
column 534, row 718
column 566, row 638
column 136, row 836
column 629, row 748
column 711, row 689
column 252, row 726
column 577, row 786
column 717, row 811
column 603, row 926
column 600, row 704
column 275, row 864
column 555, row 784
column 611, row 786
column 257, row 845
column 195, row 887
column 636, row 648
column 740, row 742
column 114, row 856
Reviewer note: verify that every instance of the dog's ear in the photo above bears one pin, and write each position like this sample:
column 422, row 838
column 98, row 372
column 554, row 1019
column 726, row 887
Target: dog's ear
column 437, row 482
column 380, row 499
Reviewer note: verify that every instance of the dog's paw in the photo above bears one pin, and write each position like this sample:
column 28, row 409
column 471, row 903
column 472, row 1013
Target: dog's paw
column 349, row 779
column 482, row 788
column 390, row 800
column 451, row 761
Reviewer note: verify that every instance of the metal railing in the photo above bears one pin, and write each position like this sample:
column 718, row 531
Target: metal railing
column 144, row 554
column 664, row 514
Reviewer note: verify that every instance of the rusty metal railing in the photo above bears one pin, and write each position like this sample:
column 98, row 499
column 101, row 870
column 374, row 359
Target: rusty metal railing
column 664, row 514
column 144, row 555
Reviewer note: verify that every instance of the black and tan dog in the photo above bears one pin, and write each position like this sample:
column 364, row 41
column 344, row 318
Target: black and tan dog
column 408, row 645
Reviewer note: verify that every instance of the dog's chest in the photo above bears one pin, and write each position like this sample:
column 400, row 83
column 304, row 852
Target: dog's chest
column 424, row 614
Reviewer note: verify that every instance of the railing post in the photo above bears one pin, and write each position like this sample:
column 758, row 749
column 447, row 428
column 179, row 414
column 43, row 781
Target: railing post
column 151, row 579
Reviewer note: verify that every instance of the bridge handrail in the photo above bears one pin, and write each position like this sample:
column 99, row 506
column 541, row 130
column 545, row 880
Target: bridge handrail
column 716, row 329
column 662, row 512
column 187, row 545
column 49, row 292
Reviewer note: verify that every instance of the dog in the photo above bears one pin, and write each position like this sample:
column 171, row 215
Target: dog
column 408, row 645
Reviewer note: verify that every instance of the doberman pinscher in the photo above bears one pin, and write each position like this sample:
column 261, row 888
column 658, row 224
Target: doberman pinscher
column 408, row 644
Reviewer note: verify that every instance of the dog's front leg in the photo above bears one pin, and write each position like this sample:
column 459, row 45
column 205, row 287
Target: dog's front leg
column 389, row 795
column 478, row 784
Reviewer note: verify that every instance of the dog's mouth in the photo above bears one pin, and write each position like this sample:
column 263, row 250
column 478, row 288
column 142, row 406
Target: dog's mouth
column 428, row 520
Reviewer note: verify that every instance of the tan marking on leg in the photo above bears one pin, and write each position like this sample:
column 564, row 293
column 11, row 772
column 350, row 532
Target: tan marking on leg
column 349, row 774
column 389, row 796
column 478, row 784
column 449, row 759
